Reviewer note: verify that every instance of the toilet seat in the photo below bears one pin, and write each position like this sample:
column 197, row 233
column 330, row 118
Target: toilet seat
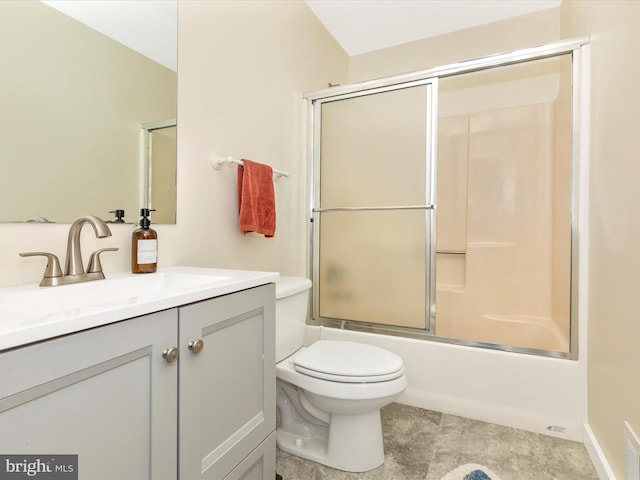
column 348, row 362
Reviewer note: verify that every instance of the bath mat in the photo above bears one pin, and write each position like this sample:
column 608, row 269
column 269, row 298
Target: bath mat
column 471, row 471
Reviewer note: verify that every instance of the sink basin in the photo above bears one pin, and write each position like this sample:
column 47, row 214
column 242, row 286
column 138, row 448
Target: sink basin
column 31, row 313
column 102, row 293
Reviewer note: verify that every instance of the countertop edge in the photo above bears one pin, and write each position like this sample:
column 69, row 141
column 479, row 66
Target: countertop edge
column 43, row 329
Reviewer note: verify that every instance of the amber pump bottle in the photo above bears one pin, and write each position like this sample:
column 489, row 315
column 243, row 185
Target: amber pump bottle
column 144, row 245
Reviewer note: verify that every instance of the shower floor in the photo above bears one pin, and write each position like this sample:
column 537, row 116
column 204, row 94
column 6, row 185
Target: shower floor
column 426, row 445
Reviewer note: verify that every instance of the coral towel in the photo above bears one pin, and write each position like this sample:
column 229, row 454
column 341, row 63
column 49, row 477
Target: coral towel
column 256, row 199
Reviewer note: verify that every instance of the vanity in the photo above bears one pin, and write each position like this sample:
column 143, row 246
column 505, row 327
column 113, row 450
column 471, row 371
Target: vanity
column 168, row 375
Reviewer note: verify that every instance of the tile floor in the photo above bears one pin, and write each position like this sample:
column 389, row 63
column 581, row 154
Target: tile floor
column 425, row 445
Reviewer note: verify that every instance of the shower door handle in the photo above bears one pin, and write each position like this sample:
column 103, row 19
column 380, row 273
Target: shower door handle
column 364, row 209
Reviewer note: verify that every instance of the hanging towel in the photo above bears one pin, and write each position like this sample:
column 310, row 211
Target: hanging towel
column 256, row 198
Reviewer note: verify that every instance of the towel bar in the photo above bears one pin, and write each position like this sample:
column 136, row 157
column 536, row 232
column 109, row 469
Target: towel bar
column 217, row 162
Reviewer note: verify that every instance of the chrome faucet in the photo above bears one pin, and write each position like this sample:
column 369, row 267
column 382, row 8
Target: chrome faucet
column 74, row 271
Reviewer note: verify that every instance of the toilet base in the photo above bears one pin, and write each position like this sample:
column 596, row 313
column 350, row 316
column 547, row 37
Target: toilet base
column 354, row 443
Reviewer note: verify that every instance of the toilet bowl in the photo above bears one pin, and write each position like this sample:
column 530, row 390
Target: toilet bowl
column 329, row 394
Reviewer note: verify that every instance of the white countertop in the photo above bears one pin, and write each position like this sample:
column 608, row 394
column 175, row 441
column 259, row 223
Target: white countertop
column 31, row 313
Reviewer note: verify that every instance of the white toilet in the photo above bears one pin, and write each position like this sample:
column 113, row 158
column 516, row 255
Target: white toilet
column 329, row 394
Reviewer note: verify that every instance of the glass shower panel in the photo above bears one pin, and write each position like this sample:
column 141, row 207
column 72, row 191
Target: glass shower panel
column 373, row 229
column 503, row 265
column 372, row 267
column 373, row 149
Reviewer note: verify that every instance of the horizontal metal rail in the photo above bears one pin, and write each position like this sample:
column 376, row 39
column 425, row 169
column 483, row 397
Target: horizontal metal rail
column 359, row 209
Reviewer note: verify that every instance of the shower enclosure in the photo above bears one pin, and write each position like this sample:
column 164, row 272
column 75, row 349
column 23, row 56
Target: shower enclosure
column 442, row 203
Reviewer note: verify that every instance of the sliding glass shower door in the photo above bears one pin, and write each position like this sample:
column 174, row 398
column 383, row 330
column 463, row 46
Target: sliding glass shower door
column 373, row 217
column 493, row 143
column 505, row 205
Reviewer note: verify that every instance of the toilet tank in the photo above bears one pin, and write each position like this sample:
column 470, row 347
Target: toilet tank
column 292, row 305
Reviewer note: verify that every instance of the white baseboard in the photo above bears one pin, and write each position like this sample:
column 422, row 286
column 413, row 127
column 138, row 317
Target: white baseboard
column 596, row 454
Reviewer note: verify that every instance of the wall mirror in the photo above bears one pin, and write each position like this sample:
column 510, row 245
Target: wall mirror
column 82, row 115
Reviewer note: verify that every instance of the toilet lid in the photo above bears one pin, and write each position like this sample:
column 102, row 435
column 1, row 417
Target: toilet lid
column 350, row 362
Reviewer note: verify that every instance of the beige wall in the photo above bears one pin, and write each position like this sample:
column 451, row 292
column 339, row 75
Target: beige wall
column 243, row 67
column 614, row 231
column 520, row 32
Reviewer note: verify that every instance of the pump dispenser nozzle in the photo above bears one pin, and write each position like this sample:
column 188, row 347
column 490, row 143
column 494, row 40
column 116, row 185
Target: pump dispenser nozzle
column 145, row 222
column 119, row 216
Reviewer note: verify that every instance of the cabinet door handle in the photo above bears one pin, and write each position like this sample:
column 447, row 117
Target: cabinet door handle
column 171, row 354
column 196, row 346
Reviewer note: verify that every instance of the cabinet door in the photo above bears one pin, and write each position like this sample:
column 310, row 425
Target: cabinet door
column 227, row 391
column 106, row 395
column 259, row 464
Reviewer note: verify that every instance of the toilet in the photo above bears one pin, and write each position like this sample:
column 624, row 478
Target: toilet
column 329, row 394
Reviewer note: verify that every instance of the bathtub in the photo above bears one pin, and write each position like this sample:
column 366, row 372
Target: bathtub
column 526, row 331
column 539, row 394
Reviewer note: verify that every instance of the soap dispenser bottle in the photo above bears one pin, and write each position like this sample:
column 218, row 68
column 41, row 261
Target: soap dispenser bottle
column 144, row 246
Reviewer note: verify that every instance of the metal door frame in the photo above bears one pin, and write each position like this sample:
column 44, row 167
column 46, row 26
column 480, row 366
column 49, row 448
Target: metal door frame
column 430, row 78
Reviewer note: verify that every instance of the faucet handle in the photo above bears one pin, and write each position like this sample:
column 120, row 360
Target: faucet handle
column 94, row 265
column 52, row 270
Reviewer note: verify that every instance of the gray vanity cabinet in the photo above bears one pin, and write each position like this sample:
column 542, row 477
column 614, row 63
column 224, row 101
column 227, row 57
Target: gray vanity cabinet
column 227, row 390
column 106, row 395
column 110, row 396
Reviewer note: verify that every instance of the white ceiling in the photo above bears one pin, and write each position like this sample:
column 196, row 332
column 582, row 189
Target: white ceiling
column 149, row 27
column 360, row 26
